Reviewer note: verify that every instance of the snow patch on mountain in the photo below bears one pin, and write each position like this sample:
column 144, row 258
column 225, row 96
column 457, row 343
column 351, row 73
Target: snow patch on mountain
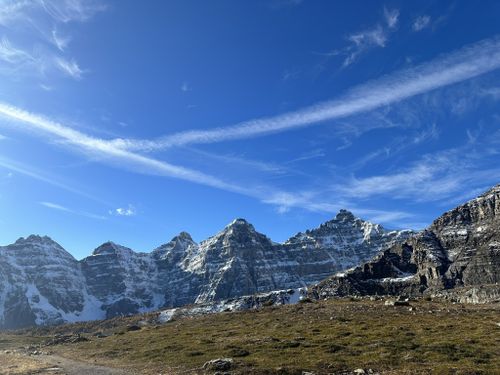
column 41, row 283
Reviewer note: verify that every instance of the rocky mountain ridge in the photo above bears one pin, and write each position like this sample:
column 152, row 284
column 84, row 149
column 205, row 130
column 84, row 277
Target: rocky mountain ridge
column 456, row 257
column 41, row 283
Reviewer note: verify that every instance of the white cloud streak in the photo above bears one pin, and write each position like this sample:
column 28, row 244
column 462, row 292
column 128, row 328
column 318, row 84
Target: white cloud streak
column 13, row 11
column 466, row 63
column 108, row 151
column 284, row 201
column 13, row 55
column 432, row 178
column 58, row 207
column 55, row 206
column 41, row 176
column 60, row 41
column 72, row 10
column 69, row 68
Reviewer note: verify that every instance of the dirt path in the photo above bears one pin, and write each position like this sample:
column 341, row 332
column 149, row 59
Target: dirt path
column 15, row 363
column 61, row 365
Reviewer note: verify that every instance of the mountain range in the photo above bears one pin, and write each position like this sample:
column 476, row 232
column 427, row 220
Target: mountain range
column 41, row 283
column 456, row 257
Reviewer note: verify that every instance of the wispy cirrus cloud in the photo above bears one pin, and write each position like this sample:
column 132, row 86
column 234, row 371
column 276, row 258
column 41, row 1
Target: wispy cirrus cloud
column 69, row 68
column 55, row 206
column 43, row 24
column 464, row 64
column 39, row 175
column 66, row 11
column 421, row 22
column 130, row 210
column 60, row 41
column 438, row 177
column 362, row 41
column 13, row 55
column 107, row 152
column 321, row 201
column 14, row 11
column 432, row 178
column 469, row 62
column 58, row 207
column 391, row 17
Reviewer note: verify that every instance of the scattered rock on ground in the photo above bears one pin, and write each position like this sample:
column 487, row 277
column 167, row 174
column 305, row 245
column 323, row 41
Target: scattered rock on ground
column 133, row 327
column 219, row 364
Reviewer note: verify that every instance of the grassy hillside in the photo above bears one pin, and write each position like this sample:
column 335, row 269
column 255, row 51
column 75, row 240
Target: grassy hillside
column 323, row 337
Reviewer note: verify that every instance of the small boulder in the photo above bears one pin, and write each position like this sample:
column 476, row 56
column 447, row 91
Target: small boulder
column 219, row 364
column 396, row 303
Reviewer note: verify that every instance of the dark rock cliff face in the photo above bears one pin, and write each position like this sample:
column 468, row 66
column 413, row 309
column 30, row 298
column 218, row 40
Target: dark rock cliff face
column 458, row 257
column 40, row 283
column 121, row 279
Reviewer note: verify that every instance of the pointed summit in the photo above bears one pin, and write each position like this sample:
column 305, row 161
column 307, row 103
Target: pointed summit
column 175, row 248
column 35, row 245
column 184, row 236
column 239, row 224
column 109, row 248
column 239, row 221
column 345, row 215
column 35, row 238
column 238, row 231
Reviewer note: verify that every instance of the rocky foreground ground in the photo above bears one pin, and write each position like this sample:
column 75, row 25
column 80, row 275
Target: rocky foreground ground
column 347, row 336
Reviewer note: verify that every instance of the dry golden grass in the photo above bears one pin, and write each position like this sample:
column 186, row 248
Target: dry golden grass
column 323, row 337
column 16, row 364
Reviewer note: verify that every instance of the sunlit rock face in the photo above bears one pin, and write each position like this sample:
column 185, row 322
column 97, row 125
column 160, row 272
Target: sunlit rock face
column 41, row 283
column 457, row 257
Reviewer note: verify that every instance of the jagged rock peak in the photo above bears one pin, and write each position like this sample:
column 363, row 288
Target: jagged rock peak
column 494, row 189
column 34, row 238
column 183, row 236
column 483, row 208
column 345, row 215
column 457, row 257
column 35, row 244
column 178, row 244
column 240, row 223
column 493, row 193
column 110, row 248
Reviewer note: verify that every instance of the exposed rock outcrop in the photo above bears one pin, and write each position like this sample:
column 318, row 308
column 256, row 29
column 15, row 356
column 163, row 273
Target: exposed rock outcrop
column 457, row 257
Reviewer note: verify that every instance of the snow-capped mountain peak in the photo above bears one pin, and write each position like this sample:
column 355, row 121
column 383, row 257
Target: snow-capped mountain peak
column 345, row 215
column 177, row 247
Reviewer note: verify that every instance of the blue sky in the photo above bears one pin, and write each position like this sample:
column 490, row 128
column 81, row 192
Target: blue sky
column 132, row 121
